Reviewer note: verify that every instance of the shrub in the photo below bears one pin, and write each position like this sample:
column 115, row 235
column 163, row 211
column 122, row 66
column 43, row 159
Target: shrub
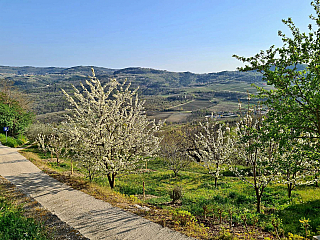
column 183, row 218
column 12, row 142
column 176, row 194
column 225, row 234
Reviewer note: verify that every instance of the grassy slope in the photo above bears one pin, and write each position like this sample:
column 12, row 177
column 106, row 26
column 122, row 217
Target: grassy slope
column 199, row 192
column 232, row 194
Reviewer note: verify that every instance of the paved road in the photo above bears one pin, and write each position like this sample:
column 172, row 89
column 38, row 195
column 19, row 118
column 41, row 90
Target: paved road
column 94, row 218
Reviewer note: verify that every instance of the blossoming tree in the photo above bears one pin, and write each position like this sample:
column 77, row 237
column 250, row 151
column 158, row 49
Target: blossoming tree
column 260, row 153
column 213, row 147
column 109, row 128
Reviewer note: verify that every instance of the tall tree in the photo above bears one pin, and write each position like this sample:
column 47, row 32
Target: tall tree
column 15, row 110
column 259, row 151
column 213, row 147
column 174, row 147
column 294, row 71
column 110, row 127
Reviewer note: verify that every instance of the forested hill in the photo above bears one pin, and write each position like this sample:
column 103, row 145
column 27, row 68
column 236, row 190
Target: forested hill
column 144, row 77
column 28, row 70
column 43, row 84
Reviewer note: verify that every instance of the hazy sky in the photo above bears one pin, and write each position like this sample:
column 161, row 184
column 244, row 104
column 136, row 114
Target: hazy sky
column 176, row 35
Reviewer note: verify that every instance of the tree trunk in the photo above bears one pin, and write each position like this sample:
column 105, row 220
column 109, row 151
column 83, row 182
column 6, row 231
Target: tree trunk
column 258, row 195
column 259, row 204
column 111, row 180
column 71, row 167
column 216, row 182
column 289, row 189
column 90, row 175
column 144, row 190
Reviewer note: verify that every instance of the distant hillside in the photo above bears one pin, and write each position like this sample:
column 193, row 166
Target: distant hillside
column 139, row 70
column 30, row 70
column 80, row 70
column 153, row 78
column 86, row 70
column 151, row 81
column 143, row 76
column 163, row 90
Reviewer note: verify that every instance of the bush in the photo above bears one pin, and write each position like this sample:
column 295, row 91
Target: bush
column 176, row 194
column 12, row 142
column 183, row 218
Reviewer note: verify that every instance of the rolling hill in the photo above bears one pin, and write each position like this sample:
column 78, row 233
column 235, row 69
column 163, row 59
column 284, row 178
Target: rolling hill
column 164, row 91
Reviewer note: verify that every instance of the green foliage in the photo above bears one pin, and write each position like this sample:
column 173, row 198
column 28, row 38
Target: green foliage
column 12, row 142
column 293, row 71
column 13, row 225
column 296, row 97
column 8, row 118
column 225, row 234
column 14, row 110
column 183, row 218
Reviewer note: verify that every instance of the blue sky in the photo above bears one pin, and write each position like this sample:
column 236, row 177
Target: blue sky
column 176, row 35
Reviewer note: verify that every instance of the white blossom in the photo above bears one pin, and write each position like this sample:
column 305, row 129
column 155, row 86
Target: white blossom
column 213, row 147
column 109, row 129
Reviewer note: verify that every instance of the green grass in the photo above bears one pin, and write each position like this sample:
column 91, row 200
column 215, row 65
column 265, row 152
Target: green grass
column 231, row 194
column 13, row 225
column 305, row 204
column 63, row 166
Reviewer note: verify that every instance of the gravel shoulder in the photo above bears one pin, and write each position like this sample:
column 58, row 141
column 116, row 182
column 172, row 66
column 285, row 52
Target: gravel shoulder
column 93, row 218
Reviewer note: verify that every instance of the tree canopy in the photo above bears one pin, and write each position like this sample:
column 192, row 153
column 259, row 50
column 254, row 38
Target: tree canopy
column 294, row 71
column 109, row 129
column 15, row 111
